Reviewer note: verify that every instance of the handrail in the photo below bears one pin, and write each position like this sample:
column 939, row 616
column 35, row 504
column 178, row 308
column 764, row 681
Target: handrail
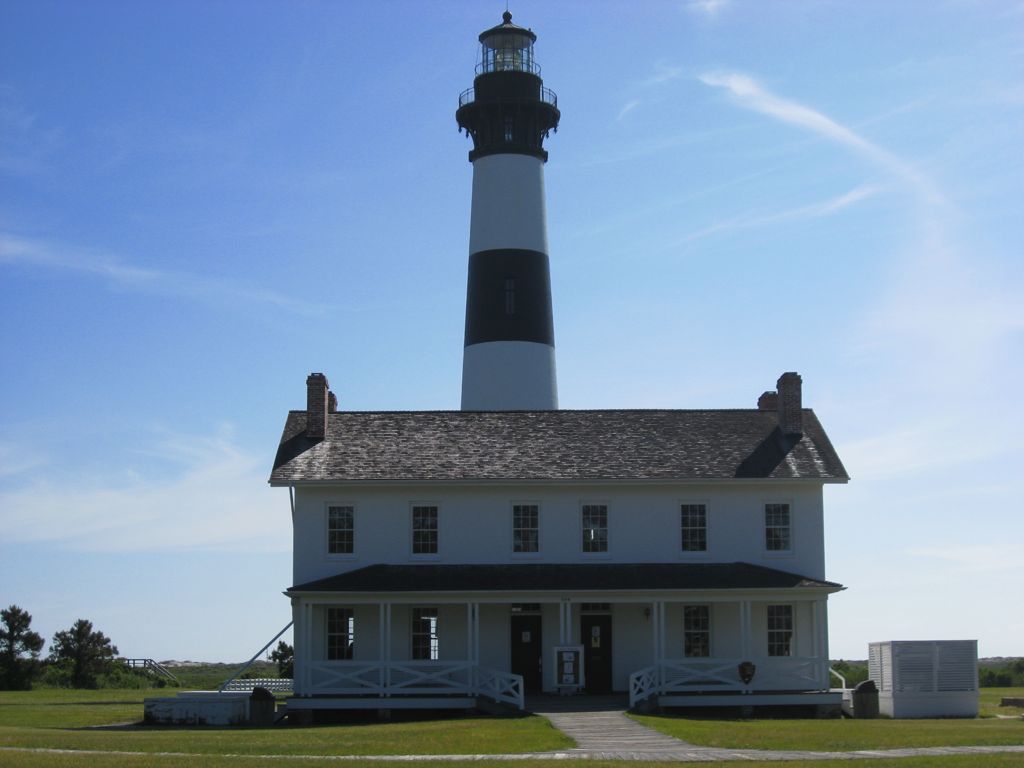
column 547, row 96
column 841, row 678
column 255, row 656
column 150, row 665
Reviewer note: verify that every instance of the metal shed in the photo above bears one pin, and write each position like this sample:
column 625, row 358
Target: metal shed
column 925, row 678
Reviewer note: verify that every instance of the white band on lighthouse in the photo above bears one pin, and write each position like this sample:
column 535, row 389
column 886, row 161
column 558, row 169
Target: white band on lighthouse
column 509, row 375
column 508, row 204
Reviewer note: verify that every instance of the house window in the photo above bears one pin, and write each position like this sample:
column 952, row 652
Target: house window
column 510, row 295
column 595, row 528
column 780, row 630
column 424, row 530
column 777, row 536
column 424, row 634
column 509, row 125
column 696, row 630
column 340, row 530
column 341, row 633
column 525, row 528
column 694, row 523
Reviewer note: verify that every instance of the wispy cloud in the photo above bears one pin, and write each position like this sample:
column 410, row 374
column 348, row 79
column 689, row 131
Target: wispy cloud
column 628, row 107
column 706, row 7
column 25, row 144
column 42, row 254
column 813, row 210
column 749, row 94
column 217, row 499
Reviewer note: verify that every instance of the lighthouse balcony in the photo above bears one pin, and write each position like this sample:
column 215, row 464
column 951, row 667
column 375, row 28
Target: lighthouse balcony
column 547, row 96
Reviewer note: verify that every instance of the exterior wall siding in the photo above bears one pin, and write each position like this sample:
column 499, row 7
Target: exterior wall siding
column 475, row 525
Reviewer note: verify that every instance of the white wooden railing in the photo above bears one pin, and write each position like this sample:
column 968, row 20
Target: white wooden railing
column 273, row 684
column 710, row 674
column 399, row 678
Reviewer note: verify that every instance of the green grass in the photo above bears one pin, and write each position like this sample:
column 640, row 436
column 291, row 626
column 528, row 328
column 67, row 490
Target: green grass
column 849, row 735
column 63, row 719
column 90, row 721
column 28, row 760
column 988, row 703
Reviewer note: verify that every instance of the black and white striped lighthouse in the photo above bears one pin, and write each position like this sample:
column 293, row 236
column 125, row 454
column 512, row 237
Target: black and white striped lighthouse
column 509, row 357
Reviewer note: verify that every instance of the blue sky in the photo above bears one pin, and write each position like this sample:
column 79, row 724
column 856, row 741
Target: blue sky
column 201, row 202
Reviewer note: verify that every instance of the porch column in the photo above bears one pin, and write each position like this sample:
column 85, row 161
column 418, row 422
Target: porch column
column 745, row 629
column 476, row 633
column 661, row 630
column 819, row 611
column 386, row 656
column 307, row 646
column 565, row 622
column 655, row 633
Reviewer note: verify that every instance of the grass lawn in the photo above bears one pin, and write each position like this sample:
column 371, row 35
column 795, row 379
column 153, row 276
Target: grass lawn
column 848, row 735
column 91, row 723
column 22, row 760
column 63, row 719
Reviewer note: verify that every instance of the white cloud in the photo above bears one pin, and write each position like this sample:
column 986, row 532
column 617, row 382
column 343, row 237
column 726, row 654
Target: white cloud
column 750, row 95
column 813, row 210
column 42, row 254
column 627, row 108
column 217, row 500
column 707, row 7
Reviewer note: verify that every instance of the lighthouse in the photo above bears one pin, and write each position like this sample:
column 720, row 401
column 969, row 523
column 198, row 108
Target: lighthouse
column 509, row 357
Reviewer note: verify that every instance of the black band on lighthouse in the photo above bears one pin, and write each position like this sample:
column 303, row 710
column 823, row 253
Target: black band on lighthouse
column 509, row 297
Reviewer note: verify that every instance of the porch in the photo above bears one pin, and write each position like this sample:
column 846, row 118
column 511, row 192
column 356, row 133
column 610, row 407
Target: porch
column 430, row 644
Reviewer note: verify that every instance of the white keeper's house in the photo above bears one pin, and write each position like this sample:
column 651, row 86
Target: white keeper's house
column 512, row 547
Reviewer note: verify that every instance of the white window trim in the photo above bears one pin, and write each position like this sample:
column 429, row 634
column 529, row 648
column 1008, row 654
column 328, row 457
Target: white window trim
column 764, row 529
column 711, row 628
column 424, row 555
column 608, row 529
column 437, row 626
column 512, row 529
column 792, row 631
column 328, row 555
column 690, row 554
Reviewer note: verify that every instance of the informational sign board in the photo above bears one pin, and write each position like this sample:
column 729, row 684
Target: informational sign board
column 569, row 668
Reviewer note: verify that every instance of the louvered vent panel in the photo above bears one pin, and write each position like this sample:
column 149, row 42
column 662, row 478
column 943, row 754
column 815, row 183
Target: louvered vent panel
column 958, row 666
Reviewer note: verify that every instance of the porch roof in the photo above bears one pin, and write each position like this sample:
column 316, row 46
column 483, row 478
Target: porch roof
column 604, row 577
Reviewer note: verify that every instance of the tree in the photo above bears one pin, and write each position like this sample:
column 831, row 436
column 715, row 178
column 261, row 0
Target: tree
column 284, row 655
column 19, row 649
column 86, row 653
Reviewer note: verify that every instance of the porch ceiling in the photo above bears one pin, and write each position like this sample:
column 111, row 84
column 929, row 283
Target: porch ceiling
column 587, row 576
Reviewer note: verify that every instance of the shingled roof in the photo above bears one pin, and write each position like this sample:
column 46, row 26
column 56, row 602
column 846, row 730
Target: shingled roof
column 586, row 576
column 557, row 446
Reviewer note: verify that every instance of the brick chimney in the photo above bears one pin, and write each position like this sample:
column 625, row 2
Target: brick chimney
column 332, row 402
column 317, row 399
column 790, row 402
column 768, row 401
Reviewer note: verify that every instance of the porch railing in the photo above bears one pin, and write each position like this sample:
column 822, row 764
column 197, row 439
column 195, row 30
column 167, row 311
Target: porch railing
column 401, row 678
column 722, row 675
column 273, row 684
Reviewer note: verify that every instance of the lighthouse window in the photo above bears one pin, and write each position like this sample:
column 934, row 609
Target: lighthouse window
column 510, row 295
column 509, row 125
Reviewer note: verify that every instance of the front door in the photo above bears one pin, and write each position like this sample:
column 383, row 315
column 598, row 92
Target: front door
column 596, row 634
column 526, row 651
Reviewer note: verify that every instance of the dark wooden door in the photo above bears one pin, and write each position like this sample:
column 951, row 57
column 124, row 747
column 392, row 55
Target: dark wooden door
column 526, row 651
column 596, row 634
